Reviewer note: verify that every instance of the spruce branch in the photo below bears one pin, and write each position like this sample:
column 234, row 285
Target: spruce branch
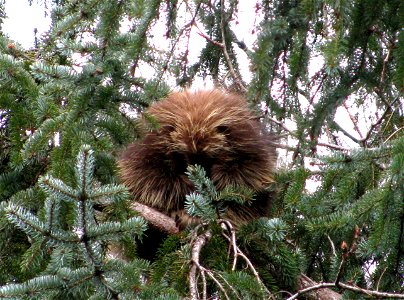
column 32, row 287
column 322, row 292
column 108, row 193
column 85, row 168
column 35, row 228
column 57, row 188
column 82, row 236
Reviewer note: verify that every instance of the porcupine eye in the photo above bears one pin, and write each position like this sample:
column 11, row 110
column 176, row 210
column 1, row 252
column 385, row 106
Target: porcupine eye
column 223, row 129
column 167, row 128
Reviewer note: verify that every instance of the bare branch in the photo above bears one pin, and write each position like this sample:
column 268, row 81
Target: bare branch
column 334, row 252
column 238, row 252
column 353, row 120
column 324, row 293
column 333, row 146
column 379, row 121
column 313, row 288
column 371, row 292
column 226, row 54
column 346, row 133
column 210, row 40
column 199, row 242
column 156, row 218
column 282, row 125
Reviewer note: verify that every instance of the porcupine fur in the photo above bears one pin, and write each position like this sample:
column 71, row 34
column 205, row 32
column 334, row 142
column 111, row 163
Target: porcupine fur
column 213, row 129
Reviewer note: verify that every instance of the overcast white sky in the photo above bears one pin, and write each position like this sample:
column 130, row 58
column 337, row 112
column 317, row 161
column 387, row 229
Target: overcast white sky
column 22, row 19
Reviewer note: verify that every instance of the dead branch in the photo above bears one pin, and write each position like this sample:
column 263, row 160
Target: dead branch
column 231, row 237
column 322, row 291
column 210, row 40
column 314, row 290
column 378, row 122
column 371, row 292
column 333, row 146
column 199, row 242
column 353, row 120
column 156, row 218
column 226, row 54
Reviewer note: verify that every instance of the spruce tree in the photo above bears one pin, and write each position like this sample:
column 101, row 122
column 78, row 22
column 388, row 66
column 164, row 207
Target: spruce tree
column 68, row 228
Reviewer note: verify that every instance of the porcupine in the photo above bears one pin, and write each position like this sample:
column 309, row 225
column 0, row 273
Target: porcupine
column 213, row 129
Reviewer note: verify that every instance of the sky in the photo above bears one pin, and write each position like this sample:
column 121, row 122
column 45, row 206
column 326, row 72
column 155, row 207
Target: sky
column 22, row 19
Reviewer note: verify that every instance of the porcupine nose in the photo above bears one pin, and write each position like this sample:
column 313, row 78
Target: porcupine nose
column 195, row 156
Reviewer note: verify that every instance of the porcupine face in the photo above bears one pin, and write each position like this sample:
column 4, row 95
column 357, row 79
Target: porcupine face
column 212, row 129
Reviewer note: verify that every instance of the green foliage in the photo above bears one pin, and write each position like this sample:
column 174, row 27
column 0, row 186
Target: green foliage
column 326, row 75
column 200, row 204
column 265, row 241
column 207, row 203
column 69, row 253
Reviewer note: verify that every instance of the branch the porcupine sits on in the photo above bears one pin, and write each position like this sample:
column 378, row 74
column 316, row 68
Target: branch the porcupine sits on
column 213, row 129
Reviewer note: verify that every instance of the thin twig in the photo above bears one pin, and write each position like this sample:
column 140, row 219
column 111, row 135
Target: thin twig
column 353, row 120
column 228, row 284
column 225, row 53
column 333, row 146
column 378, row 122
column 281, row 124
column 210, row 274
column 334, row 252
column 380, row 278
column 371, row 292
column 283, row 146
column 238, row 252
column 346, row 133
column 210, row 40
